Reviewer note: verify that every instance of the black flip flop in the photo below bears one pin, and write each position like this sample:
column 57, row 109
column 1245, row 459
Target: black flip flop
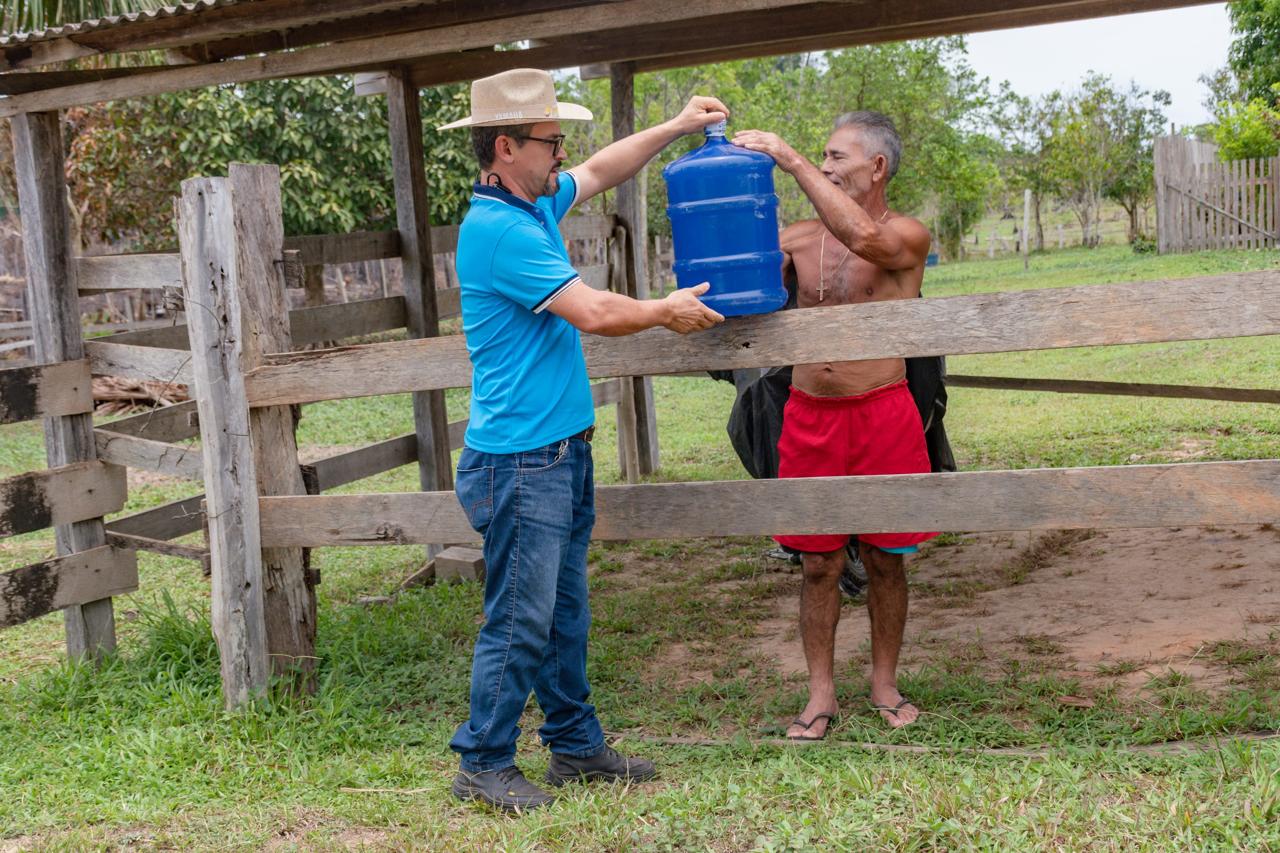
column 830, row 717
column 892, row 709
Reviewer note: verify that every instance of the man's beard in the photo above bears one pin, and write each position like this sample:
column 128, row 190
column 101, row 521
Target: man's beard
column 552, row 186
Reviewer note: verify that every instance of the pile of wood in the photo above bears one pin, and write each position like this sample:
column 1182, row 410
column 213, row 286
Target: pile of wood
column 113, row 395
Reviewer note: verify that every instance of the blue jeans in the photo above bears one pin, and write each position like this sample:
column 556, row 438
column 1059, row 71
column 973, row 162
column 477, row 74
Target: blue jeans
column 535, row 510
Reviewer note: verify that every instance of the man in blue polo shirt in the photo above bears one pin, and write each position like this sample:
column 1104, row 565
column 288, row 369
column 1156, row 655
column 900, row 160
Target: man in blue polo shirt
column 525, row 475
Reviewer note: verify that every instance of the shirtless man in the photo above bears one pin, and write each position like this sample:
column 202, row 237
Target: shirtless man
column 852, row 417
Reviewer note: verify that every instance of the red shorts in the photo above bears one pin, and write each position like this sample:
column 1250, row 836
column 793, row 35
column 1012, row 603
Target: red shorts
column 878, row 432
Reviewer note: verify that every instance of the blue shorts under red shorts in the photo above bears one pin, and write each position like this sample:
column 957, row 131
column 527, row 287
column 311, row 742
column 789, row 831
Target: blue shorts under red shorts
column 878, row 432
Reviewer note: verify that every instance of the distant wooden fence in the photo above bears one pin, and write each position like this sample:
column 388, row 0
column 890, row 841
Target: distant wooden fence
column 1203, row 203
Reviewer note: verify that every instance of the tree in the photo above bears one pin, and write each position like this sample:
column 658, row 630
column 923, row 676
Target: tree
column 1136, row 118
column 125, row 162
column 1255, row 53
column 1025, row 126
column 1100, row 146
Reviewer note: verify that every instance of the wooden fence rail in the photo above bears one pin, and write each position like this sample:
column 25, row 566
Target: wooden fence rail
column 1149, row 312
column 1037, row 499
column 1124, row 389
column 45, row 390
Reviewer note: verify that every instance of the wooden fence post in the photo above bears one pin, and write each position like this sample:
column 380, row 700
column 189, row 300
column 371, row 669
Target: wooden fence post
column 264, row 612
column 211, row 291
column 632, row 214
column 431, row 422
column 54, row 312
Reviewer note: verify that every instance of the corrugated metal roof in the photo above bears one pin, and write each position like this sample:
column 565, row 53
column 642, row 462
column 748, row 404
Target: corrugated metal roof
column 99, row 24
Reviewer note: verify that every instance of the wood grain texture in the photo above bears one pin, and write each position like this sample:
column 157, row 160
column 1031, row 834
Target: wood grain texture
column 409, row 177
column 60, row 496
column 289, row 608
column 157, row 546
column 54, row 311
column 1039, row 499
column 128, row 272
column 75, row 579
column 171, row 460
column 45, row 390
column 167, row 521
column 1205, row 308
column 168, row 424
column 1123, row 389
column 132, row 361
column 211, row 287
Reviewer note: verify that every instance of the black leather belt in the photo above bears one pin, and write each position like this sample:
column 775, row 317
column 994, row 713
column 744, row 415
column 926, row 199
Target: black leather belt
column 586, row 434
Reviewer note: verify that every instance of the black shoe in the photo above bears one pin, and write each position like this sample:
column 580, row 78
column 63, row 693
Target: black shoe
column 853, row 581
column 505, row 789
column 607, row 765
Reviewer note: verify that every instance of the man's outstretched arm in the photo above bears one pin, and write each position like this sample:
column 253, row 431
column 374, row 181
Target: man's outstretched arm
column 615, row 163
column 897, row 245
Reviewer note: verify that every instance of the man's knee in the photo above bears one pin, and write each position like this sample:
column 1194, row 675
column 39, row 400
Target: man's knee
column 823, row 567
column 880, row 564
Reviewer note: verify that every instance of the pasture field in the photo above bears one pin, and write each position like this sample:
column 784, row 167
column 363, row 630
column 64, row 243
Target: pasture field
column 1042, row 730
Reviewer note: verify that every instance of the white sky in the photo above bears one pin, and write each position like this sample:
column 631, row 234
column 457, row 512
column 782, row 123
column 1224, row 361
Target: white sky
column 1160, row 50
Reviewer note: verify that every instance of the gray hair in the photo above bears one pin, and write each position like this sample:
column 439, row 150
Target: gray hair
column 483, row 138
column 878, row 134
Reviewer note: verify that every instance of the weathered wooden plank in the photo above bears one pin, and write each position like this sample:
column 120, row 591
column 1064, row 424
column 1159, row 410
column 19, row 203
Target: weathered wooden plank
column 60, row 496
column 353, row 465
column 169, row 424
column 289, row 596
column 346, row 320
column 210, row 273
column 367, row 461
column 364, row 54
column 39, row 166
column 430, row 417
column 45, row 390
column 128, row 272
column 1204, row 308
column 594, row 227
column 317, row 249
column 172, row 460
column 168, row 521
column 1039, row 499
column 1124, row 389
column 80, row 578
column 157, row 546
column 307, row 325
column 148, row 363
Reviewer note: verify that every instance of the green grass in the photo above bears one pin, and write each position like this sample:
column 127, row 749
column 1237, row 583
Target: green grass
column 140, row 753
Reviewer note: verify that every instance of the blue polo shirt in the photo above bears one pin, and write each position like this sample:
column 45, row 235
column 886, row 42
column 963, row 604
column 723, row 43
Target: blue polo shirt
column 529, row 386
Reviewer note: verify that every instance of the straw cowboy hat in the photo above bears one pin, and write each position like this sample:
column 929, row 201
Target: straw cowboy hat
column 518, row 96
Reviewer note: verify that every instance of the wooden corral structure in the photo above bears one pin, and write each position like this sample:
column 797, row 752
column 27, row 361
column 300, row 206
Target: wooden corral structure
column 1205, row 203
column 242, row 350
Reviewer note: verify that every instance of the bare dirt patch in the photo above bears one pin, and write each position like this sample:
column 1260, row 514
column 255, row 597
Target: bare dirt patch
column 1112, row 608
column 1115, row 606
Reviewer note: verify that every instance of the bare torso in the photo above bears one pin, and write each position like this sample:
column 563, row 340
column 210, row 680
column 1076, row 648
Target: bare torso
column 827, row 273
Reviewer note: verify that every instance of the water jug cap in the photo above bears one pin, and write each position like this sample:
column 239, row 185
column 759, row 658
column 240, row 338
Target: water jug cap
column 717, row 129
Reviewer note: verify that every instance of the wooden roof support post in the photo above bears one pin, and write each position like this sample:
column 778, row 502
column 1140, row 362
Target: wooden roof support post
column 55, row 321
column 631, row 214
column 435, row 465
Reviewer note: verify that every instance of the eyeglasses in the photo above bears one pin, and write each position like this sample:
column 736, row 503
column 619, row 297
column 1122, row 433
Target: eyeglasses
column 556, row 142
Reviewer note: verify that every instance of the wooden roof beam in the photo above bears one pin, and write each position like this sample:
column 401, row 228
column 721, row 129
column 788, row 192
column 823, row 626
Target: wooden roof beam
column 370, row 54
column 774, row 32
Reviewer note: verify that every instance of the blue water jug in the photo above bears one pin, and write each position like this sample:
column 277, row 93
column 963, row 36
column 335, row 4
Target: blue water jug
column 724, row 225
